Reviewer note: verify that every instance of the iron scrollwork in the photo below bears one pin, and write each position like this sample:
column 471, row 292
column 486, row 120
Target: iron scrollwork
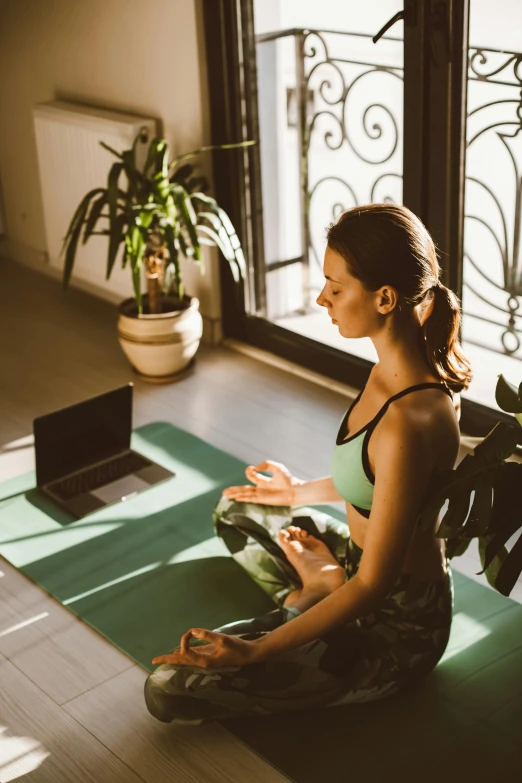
column 334, row 120
column 505, row 70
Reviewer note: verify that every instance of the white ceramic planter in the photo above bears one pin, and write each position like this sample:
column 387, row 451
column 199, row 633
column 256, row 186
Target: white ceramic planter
column 160, row 346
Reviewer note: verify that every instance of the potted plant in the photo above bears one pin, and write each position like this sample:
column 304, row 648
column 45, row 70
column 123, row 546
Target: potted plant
column 487, row 482
column 164, row 212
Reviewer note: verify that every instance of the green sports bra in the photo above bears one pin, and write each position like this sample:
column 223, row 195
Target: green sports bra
column 351, row 472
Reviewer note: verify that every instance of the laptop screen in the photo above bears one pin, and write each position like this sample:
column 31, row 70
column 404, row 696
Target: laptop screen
column 75, row 437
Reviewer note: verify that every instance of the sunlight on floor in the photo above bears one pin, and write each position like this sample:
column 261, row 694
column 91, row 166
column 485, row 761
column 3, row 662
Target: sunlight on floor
column 17, row 627
column 465, row 631
column 19, row 756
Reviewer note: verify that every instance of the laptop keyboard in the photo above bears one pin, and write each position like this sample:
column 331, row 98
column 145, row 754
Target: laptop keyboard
column 98, row 476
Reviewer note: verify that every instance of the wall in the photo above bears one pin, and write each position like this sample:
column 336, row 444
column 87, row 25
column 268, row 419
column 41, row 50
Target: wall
column 126, row 55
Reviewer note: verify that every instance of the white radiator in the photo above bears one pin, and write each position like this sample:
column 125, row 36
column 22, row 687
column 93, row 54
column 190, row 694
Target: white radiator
column 72, row 162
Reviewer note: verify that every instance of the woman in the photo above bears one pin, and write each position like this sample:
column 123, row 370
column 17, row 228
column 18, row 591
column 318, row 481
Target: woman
column 364, row 608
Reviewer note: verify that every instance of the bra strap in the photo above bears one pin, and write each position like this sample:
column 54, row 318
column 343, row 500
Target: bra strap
column 418, row 386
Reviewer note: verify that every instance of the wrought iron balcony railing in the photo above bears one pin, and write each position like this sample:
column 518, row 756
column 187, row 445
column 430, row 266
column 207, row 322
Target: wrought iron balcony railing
column 342, row 103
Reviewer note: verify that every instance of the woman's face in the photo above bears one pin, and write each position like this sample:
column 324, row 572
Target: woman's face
column 349, row 304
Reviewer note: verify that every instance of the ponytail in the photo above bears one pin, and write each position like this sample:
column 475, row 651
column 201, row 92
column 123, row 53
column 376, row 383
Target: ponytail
column 441, row 326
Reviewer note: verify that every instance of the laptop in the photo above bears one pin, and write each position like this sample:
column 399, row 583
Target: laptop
column 83, row 456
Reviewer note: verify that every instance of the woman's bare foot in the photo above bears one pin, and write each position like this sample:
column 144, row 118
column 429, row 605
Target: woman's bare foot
column 318, row 569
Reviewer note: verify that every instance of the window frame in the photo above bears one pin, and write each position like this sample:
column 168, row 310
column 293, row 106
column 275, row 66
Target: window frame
column 435, row 96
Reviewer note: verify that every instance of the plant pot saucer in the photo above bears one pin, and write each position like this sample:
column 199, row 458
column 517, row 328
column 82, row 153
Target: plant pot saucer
column 172, row 378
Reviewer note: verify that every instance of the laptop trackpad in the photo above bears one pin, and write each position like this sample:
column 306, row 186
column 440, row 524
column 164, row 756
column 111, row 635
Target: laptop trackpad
column 120, row 489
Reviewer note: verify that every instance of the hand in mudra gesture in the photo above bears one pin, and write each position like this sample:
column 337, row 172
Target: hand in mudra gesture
column 278, row 490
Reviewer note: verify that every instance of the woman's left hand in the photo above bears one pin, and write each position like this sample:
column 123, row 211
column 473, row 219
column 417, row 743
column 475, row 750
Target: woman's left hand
column 222, row 650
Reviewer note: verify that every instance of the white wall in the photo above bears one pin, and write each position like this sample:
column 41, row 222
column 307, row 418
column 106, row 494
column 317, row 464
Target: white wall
column 126, row 55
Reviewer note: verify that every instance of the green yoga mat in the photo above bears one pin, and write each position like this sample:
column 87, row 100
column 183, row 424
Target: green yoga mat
column 144, row 571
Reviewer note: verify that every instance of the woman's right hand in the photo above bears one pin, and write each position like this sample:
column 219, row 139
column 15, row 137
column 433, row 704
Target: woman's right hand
column 279, row 490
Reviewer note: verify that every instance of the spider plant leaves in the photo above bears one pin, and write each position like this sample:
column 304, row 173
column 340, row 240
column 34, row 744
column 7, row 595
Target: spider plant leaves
column 72, row 236
column 135, row 244
column 182, row 174
column 112, row 190
column 197, row 184
column 132, row 174
column 115, row 238
column 192, row 184
column 228, row 229
column 110, row 149
column 188, row 216
column 92, row 218
column 172, row 272
column 152, row 154
column 176, row 161
column 154, row 204
column 215, row 240
column 169, row 278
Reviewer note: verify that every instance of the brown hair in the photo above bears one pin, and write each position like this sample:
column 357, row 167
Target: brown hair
column 386, row 244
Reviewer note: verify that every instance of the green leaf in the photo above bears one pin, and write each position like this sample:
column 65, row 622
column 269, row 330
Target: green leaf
column 182, row 174
column 192, row 154
column 135, row 245
column 228, row 227
column 173, row 260
column 73, row 242
column 116, row 229
column 219, row 229
column 169, row 278
column 457, row 546
column 187, row 215
column 507, row 396
column 80, row 211
column 499, row 444
column 480, row 513
column 118, row 154
column 216, row 240
column 185, row 248
column 112, row 190
column 131, row 173
column 93, row 216
column 456, row 485
column 505, row 514
column 510, row 570
column 494, row 565
column 152, row 154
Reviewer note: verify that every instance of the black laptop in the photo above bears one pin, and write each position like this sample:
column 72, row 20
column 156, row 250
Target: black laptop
column 83, row 455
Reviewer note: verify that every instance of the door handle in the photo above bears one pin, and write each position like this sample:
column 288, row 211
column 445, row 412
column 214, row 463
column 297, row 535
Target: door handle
column 389, row 23
column 408, row 13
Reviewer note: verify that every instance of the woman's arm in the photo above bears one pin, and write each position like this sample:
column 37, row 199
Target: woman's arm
column 319, row 490
column 403, row 466
column 344, row 605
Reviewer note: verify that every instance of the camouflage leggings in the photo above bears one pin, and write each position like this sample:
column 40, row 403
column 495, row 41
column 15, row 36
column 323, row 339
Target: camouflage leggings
column 367, row 659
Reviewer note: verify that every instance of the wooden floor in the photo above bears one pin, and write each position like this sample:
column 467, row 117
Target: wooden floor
column 71, row 705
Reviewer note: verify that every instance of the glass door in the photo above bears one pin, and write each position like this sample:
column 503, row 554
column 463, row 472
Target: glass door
column 341, row 120
column 330, row 105
column 492, row 258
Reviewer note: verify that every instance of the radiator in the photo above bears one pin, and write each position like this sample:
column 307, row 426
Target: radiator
column 71, row 162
